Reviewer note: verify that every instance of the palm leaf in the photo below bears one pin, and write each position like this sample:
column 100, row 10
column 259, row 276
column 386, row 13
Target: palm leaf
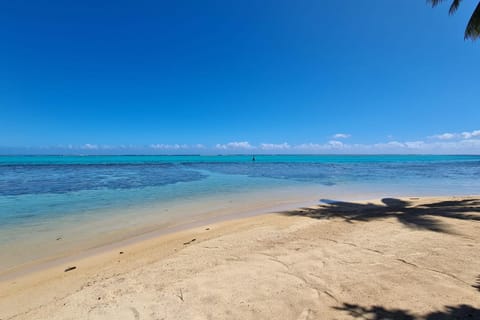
column 434, row 2
column 473, row 26
column 454, row 6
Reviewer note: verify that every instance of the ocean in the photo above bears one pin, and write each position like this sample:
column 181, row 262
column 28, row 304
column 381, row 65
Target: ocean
column 53, row 206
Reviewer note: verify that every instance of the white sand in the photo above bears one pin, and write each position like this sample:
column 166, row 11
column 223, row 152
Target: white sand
column 277, row 266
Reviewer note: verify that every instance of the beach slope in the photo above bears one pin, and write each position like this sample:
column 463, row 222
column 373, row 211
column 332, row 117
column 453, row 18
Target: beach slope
column 406, row 258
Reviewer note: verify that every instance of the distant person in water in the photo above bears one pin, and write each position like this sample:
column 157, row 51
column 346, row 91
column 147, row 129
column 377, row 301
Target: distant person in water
column 253, row 158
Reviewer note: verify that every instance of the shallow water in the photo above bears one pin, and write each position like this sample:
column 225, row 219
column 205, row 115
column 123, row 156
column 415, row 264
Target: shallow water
column 86, row 201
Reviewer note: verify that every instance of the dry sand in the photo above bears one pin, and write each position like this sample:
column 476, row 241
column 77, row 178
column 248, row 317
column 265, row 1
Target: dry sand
column 390, row 259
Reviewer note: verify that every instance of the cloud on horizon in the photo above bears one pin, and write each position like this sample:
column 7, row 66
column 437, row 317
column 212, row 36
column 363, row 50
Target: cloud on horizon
column 88, row 146
column 341, row 136
column 273, row 146
column 462, row 135
column 242, row 145
column 467, row 142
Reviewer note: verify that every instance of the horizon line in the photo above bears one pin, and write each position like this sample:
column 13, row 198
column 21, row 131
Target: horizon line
column 238, row 154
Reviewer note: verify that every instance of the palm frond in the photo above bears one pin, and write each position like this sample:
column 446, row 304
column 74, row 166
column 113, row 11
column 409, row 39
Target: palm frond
column 454, row 6
column 434, row 2
column 473, row 26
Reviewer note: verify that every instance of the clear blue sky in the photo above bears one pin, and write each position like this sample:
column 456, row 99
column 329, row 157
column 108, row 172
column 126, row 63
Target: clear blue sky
column 273, row 76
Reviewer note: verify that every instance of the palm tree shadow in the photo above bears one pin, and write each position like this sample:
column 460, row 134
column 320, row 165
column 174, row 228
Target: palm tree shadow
column 375, row 312
column 477, row 285
column 461, row 311
column 419, row 216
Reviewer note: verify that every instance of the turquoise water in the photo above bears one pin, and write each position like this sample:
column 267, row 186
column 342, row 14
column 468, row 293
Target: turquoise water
column 37, row 187
column 133, row 159
column 81, row 198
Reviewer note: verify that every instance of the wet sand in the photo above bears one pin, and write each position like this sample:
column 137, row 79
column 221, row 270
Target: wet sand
column 409, row 258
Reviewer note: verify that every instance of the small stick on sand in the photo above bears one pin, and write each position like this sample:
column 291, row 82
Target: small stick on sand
column 70, row 269
column 188, row 242
column 180, row 295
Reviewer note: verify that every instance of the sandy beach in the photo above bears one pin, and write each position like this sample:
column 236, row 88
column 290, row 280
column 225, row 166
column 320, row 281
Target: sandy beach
column 409, row 258
column 290, row 160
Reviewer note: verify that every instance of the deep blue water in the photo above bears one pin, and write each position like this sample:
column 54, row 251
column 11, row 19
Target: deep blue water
column 38, row 187
column 39, row 195
column 33, row 175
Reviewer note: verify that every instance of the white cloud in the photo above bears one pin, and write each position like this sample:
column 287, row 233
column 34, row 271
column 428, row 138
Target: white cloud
column 451, row 136
column 390, row 144
column 316, row 147
column 336, row 144
column 467, row 142
column 445, row 136
column 311, row 147
column 176, row 146
column 470, row 143
column 235, row 145
column 466, row 146
column 89, row 146
column 415, row 144
column 472, row 134
column 272, row 146
column 341, row 136
column 161, row 146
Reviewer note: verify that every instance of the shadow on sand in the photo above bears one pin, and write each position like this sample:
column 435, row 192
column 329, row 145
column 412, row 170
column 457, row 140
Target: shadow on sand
column 419, row 216
column 477, row 285
column 458, row 312
column 415, row 216
column 380, row 313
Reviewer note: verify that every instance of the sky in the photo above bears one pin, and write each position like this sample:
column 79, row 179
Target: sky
column 240, row 76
